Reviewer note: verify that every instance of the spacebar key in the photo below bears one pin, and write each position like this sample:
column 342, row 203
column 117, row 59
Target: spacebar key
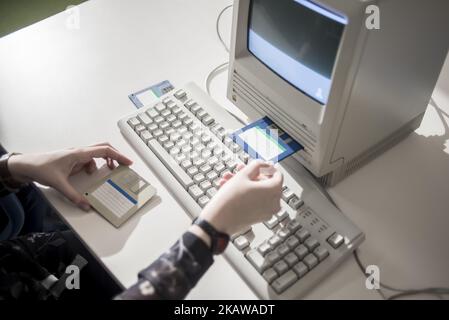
column 170, row 163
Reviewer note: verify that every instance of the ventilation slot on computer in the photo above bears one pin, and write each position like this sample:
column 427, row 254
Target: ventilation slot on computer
column 251, row 96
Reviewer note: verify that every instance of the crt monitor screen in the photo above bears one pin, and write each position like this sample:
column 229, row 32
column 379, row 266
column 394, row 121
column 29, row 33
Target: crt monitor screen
column 298, row 40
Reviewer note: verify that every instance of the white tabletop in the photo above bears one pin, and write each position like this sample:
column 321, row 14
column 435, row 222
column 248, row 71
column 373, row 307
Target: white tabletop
column 62, row 87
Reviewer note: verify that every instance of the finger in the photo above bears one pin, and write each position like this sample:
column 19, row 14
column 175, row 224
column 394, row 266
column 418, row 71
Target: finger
column 70, row 193
column 228, row 175
column 107, row 152
column 90, row 167
column 240, row 166
column 222, row 182
column 275, row 181
column 253, row 169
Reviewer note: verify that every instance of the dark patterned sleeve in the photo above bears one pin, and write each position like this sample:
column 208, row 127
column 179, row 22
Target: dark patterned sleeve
column 174, row 273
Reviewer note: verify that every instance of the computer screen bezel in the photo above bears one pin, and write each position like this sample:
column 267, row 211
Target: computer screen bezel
column 278, row 90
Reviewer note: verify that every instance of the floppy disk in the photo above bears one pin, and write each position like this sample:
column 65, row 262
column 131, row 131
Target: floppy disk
column 119, row 195
column 265, row 140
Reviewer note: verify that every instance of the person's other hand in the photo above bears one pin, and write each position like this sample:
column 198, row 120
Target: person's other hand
column 248, row 197
column 54, row 168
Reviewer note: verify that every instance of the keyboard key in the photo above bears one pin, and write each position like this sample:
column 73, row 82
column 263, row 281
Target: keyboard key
column 182, row 130
column 241, row 242
column 145, row 135
column 176, row 124
column 292, row 242
column 211, row 176
column 180, row 94
column 216, row 183
column 208, row 120
column 133, row 122
column 180, row 157
column 311, row 261
column 335, row 240
column 189, row 104
column 283, row 233
column 203, row 200
column 274, row 241
column 174, row 151
column 284, row 282
column 164, row 125
column 281, row 215
column 287, row 194
column 201, row 114
column 168, row 145
column 281, row 267
column 195, row 109
column 272, row 258
column 293, row 225
column 198, row 162
column 211, row 192
column 234, row 147
column 205, row 185
column 181, row 143
column 269, row 275
column 158, row 120
column 198, row 178
column 170, row 163
column 219, row 167
column 300, row 269
column 186, row 149
column 224, row 172
column 186, row 164
column 163, row 139
column 301, row 251
column 321, row 253
column 264, row 248
column 283, row 249
column 187, row 121
column 192, row 171
column 145, row 119
column 231, row 164
column 152, row 113
column 195, row 192
column 244, row 157
column 183, row 116
column 157, row 133
column 291, row 259
column 302, row 235
column 175, row 137
column 139, row 128
column 311, row 243
column 212, row 161
column 165, row 113
column 257, row 260
column 160, row 107
column 273, row 222
column 295, row 203
column 171, row 118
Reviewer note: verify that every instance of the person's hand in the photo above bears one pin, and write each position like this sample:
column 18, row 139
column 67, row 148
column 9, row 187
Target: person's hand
column 54, row 168
column 252, row 195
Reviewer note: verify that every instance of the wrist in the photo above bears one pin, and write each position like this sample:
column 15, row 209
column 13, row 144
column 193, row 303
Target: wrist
column 18, row 169
column 200, row 233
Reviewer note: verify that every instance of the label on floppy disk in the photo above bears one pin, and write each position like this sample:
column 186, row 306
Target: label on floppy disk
column 264, row 140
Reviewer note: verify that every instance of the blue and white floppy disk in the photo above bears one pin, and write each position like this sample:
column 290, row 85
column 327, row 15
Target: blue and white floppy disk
column 151, row 94
column 264, row 140
column 119, row 195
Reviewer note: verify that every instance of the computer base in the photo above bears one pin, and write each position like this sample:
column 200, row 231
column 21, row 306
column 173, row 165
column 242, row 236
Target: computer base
column 334, row 177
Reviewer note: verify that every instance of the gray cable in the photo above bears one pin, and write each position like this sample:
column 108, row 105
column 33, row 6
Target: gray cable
column 217, row 70
column 217, row 27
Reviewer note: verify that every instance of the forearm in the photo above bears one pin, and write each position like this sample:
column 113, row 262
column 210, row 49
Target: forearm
column 175, row 272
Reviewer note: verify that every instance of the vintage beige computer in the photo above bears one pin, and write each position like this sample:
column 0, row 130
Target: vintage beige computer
column 312, row 71
column 344, row 91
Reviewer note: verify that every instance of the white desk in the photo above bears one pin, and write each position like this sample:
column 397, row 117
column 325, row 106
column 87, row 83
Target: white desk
column 61, row 87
